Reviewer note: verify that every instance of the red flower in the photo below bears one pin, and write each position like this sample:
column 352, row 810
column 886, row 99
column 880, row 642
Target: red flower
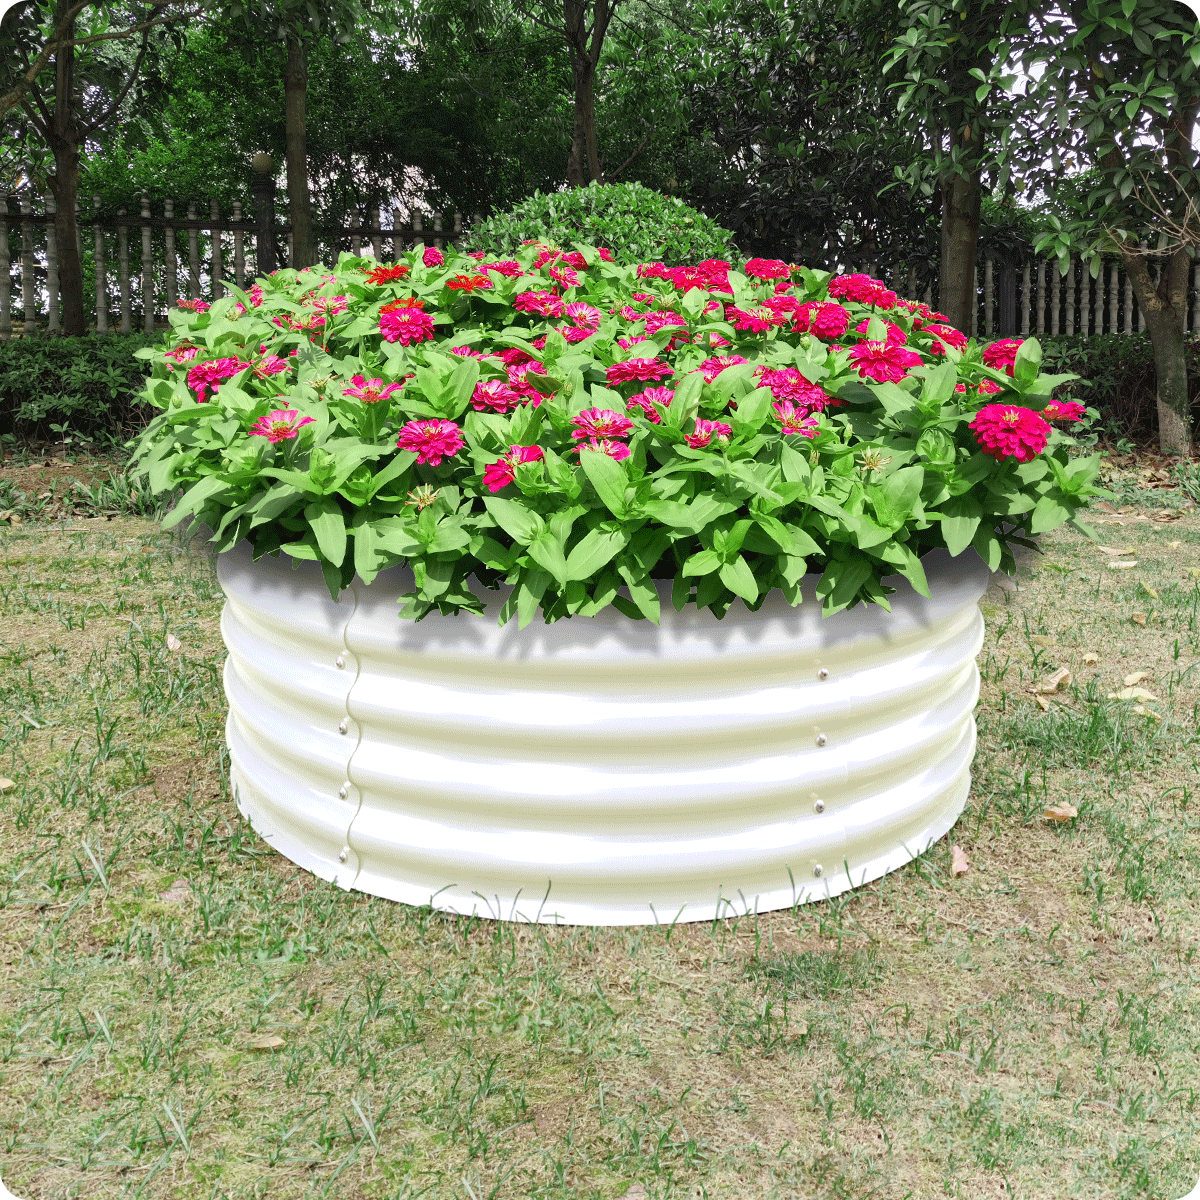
column 1001, row 356
column 469, row 283
column 1063, row 410
column 822, row 319
column 767, row 268
column 863, row 290
column 407, row 302
column 1006, row 431
column 387, row 274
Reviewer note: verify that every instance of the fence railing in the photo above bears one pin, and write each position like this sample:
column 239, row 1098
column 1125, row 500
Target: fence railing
column 177, row 248
column 197, row 251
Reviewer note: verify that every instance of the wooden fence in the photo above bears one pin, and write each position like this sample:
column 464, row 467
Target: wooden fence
column 193, row 251
column 1025, row 299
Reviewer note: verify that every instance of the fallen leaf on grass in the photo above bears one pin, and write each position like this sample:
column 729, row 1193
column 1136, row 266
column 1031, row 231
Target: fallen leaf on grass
column 1112, row 550
column 1052, row 683
column 1060, row 812
column 1148, row 590
column 1132, row 693
column 1174, row 545
column 1138, row 618
column 267, row 1042
column 1123, row 565
column 1042, row 703
column 1136, row 678
column 5, row 784
column 1143, row 711
column 1091, row 658
column 800, row 1029
column 179, row 890
column 173, row 643
column 1042, row 639
column 1194, row 572
column 958, row 861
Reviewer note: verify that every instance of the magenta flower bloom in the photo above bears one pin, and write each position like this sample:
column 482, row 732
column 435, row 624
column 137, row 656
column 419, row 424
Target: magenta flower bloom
column 644, row 403
column 823, row 320
column 795, row 420
column 615, row 450
column 493, row 395
column 196, row 306
column 503, row 471
column 705, row 431
column 895, row 335
column 541, row 304
column 789, row 384
column 1007, row 431
column 712, row 367
column 756, row 320
column 583, row 315
column 1002, row 356
column 465, row 352
column 210, row 374
column 279, row 425
column 406, row 326
column 1063, row 410
column 433, row 257
column 638, row 368
column 883, row 362
column 370, row 391
column 947, row 334
column 600, row 423
column 660, row 320
column 271, row 364
column 767, row 268
column 433, row 440
column 564, row 276
column 518, row 381
column 506, row 267
column 575, row 333
column 863, row 290
column 625, row 343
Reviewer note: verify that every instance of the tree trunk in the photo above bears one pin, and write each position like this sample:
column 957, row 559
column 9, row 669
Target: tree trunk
column 64, row 142
column 1165, row 308
column 583, row 141
column 960, row 238
column 295, row 79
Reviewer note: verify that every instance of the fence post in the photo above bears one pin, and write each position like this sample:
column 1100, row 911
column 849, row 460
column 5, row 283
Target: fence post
column 239, row 262
column 172, row 264
column 123, row 271
column 418, row 229
column 101, row 272
column 988, row 305
column 50, row 208
column 457, row 229
column 437, row 231
column 1098, row 301
column 1085, row 296
column 1112, row 297
column 396, row 248
column 217, row 269
column 193, row 253
column 147, row 271
column 5, row 277
column 1191, row 327
column 1128, row 305
column 355, row 240
column 264, row 213
column 1025, row 279
column 1069, row 281
column 28, row 301
column 376, row 238
column 975, row 302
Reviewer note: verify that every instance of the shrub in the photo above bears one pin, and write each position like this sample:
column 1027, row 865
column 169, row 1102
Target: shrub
column 635, row 223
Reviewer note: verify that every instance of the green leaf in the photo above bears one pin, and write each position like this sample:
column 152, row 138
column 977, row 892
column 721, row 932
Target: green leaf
column 608, row 477
column 547, row 551
column 594, row 550
column 325, row 518
column 958, row 532
column 1049, row 513
column 194, row 499
column 739, row 579
column 520, row 523
column 703, row 562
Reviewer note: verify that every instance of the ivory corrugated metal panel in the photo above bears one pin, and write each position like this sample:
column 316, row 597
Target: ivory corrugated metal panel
column 599, row 770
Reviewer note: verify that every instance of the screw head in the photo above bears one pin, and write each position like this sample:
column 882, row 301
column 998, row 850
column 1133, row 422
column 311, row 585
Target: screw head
column 818, row 871
column 339, row 662
column 342, row 792
column 344, row 854
column 823, row 673
column 343, row 727
column 818, row 806
column 821, row 738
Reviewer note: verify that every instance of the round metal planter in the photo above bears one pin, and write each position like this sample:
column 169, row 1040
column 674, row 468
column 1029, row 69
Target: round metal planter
column 598, row 770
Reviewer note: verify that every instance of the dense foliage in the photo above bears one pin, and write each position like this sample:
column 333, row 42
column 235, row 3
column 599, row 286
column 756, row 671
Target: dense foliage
column 578, row 428
column 633, row 221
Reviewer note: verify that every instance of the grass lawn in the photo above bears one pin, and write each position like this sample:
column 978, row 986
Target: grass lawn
column 185, row 1014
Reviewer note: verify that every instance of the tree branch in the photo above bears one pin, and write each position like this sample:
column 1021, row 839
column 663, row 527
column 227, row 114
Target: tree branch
column 12, row 97
column 640, row 147
column 133, row 74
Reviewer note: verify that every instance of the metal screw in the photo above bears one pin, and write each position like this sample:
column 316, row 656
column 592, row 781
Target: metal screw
column 823, row 673
column 343, row 727
column 818, row 871
column 821, row 738
column 819, row 806
column 342, row 791
column 340, row 662
column 345, row 854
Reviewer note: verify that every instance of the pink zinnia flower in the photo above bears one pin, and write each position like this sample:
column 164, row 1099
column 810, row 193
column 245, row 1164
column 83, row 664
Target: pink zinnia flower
column 660, row 320
column 712, row 367
column 279, row 425
column 617, row 450
column 505, row 266
column 822, row 319
column 600, row 423
column 433, row 257
column 209, row 374
column 637, row 369
column 518, row 382
column 465, row 352
column 862, row 289
column 574, row 333
column 564, row 276
column 766, row 268
column 370, row 391
column 644, row 403
column 625, row 343
column 757, row 319
column 989, row 387
column 196, row 306
column 705, row 431
column 883, row 362
column 270, row 364
column 504, row 470
column 789, row 384
column 1002, row 356
column 947, row 334
column 1063, row 410
column 1006, row 431
column 795, row 420
column 406, row 326
column 433, row 440
column 653, row 271
column 583, row 315
column 542, row 304
column 493, row 395
column 513, row 357
column 183, row 354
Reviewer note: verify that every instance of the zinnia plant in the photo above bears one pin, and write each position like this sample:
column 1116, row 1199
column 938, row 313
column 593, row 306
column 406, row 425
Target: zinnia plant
column 581, row 429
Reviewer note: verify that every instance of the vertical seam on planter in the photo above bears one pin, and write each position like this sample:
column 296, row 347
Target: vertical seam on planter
column 352, row 658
